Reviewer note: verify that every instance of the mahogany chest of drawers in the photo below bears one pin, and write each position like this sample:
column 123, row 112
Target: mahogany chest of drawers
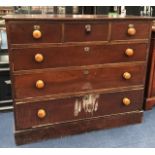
column 73, row 74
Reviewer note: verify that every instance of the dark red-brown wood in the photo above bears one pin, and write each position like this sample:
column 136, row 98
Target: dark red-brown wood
column 65, row 56
column 62, row 110
column 76, row 32
column 61, row 130
column 119, row 30
column 81, row 79
column 21, row 32
column 70, row 73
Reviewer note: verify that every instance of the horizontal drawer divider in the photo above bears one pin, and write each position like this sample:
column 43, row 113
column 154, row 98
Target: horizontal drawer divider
column 77, row 94
column 38, row 45
column 106, row 65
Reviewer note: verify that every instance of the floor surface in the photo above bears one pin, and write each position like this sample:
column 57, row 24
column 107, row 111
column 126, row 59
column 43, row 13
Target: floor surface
column 135, row 136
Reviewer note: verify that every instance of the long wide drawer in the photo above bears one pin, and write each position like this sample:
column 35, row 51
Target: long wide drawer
column 63, row 110
column 64, row 56
column 54, row 81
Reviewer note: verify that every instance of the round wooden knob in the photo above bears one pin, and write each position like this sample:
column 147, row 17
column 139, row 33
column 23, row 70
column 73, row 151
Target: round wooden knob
column 37, row 34
column 153, row 28
column 129, row 52
column 127, row 75
column 126, row 101
column 39, row 57
column 40, row 84
column 41, row 113
column 131, row 31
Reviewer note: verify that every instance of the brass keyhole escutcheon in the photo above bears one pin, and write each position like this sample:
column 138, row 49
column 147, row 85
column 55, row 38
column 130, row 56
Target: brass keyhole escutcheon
column 86, row 50
column 88, row 28
column 86, row 72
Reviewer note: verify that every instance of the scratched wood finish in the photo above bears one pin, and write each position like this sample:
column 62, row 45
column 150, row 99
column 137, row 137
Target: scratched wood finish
column 62, row 110
column 65, row 56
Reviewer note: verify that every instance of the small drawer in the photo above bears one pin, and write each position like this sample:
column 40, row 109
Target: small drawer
column 127, row 30
column 52, row 57
column 51, row 82
column 39, row 113
column 86, row 31
column 28, row 32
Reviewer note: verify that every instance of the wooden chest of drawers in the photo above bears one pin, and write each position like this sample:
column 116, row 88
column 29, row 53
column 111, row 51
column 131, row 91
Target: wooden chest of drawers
column 74, row 74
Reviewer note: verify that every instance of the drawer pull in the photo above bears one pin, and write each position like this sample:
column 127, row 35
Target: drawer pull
column 39, row 57
column 126, row 101
column 127, row 75
column 40, row 84
column 41, row 113
column 88, row 28
column 86, row 49
column 86, row 72
column 131, row 30
column 37, row 34
column 153, row 28
column 129, row 52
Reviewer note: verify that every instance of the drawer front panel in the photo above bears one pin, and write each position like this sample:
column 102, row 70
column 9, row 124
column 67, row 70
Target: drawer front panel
column 24, row 59
column 82, row 79
column 120, row 30
column 63, row 110
column 79, row 32
column 22, row 32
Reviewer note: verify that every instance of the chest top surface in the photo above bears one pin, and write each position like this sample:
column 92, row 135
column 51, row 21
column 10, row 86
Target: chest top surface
column 74, row 17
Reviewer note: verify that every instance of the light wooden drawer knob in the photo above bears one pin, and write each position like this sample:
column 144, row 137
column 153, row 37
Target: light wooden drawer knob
column 127, row 75
column 153, row 28
column 40, row 84
column 37, row 34
column 39, row 57
column 131, row 30
column 41, row 113
column 126, row 101
column 129, row 52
